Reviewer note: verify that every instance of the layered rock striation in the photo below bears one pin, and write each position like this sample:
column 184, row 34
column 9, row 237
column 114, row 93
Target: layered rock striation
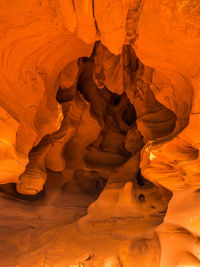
column 99, row 133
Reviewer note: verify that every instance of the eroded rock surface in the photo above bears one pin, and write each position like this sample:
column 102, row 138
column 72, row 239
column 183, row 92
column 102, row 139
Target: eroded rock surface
column 99, row 133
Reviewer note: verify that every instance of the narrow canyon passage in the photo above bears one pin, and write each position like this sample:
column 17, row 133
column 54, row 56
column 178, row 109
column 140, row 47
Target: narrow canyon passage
column 91, row 161
column 99, row 133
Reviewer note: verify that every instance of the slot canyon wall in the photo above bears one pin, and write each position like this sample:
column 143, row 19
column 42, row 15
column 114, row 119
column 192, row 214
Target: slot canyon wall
column 99, row 133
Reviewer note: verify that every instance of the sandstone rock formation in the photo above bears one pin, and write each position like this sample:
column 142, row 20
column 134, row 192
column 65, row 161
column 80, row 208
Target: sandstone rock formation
column 99, row 133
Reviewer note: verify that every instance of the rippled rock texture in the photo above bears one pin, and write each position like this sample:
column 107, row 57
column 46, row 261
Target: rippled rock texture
column 99, row 133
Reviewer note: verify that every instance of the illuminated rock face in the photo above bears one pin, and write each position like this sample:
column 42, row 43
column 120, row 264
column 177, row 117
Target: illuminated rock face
column 99, row 133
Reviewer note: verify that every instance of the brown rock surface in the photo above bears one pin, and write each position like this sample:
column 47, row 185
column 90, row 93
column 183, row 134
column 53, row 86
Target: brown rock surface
column 99, row 133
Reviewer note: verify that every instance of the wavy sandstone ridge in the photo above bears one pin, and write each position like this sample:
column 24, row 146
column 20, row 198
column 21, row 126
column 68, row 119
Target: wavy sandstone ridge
column 99, row 133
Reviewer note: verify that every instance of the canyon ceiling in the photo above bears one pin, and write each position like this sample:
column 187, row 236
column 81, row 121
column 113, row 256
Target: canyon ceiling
column 99, row 133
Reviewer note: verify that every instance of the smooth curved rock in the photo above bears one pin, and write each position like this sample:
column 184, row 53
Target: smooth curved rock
column 99, row 109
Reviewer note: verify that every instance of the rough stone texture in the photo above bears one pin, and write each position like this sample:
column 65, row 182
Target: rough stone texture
column 99, row 133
